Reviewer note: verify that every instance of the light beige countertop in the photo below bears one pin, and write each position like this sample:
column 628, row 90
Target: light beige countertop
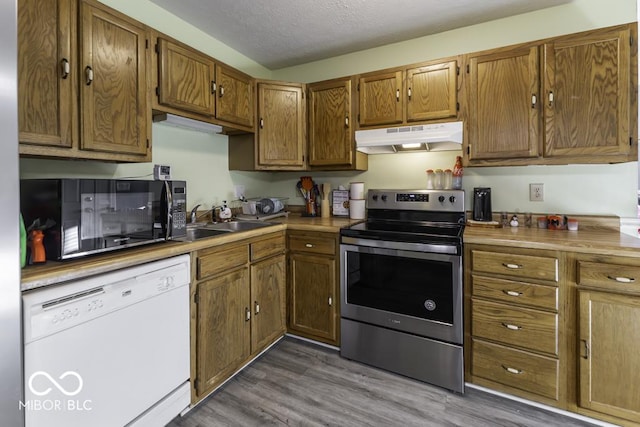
column 55, row 272
column 600, row 241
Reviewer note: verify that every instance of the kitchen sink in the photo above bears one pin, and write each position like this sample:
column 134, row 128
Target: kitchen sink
column 204, row 230
column 238, row 225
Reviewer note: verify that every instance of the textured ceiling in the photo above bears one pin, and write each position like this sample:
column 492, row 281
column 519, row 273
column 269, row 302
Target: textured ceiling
column 283, row 33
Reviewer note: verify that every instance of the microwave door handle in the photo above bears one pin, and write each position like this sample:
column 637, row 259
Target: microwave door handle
column 169, row 224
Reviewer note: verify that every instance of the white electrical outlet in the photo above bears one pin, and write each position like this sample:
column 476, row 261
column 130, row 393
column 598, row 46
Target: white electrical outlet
column 536, row 192
column 239, row 191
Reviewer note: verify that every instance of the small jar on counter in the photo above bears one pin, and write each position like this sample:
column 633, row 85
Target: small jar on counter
column 438, row 182
column 430, row 179
column 448, row 179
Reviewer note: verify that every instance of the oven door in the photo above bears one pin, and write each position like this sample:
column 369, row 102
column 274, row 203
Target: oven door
column 412, row 291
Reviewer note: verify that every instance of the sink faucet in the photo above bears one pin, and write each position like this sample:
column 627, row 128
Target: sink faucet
column 194, row 215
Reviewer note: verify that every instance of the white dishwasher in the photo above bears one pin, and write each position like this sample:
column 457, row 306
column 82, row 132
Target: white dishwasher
column 111, row 350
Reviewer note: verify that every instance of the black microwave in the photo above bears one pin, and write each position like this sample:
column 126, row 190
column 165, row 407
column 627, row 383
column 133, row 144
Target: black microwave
column 88, row 216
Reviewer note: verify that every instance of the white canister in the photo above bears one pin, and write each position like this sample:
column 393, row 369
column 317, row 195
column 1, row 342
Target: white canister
column 356, row 208
column 356, row 190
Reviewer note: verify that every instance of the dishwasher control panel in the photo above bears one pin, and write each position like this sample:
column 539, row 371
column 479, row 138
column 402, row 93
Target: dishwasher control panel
column 50, row 310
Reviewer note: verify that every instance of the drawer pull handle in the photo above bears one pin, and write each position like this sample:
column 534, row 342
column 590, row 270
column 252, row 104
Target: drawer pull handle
column 308, row 245
column 512, row 327
column 512, row 370
column 512, row 266
column 513, row 293
column 620, row 279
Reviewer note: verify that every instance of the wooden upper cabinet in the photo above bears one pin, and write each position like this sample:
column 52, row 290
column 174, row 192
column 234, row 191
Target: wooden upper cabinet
column 380, row 98
column 47, row 78
column 235, row 100
column 504, row 118
column 186, row 78
column 587, row 94
column 114, row 95
column 331, row 140
column 432, row 92
column 281, row 126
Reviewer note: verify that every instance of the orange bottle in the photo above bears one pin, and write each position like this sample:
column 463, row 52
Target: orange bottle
column 38, row 254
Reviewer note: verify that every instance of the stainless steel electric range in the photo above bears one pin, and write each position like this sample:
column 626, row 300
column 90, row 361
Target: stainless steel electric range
column 401, row 285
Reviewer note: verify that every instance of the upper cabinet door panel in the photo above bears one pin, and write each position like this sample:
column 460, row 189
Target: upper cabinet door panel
column 330, row 128
column 235, row 100
column 504, row 119
column 432, row 92
column 47, row 72
column 380, row 99
column 281, row 125
column 185, row 78
column 114, row 104
column 587, row 94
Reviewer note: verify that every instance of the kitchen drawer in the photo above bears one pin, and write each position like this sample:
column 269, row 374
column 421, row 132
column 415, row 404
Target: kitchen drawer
column 529, row 294
column 612, row 277
column 313, row 244
column 522, row 266
column 217, row 260
column 267, row 247
column 521, row 327
column 515, row 368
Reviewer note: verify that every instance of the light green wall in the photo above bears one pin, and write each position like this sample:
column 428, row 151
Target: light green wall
column 201, row 158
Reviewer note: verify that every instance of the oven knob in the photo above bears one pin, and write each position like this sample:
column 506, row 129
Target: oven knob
column 441, row 199
column 452, row 199
column 375, row 197
column 384, row 197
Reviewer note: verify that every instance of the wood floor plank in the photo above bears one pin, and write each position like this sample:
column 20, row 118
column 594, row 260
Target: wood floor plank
column 301, row 384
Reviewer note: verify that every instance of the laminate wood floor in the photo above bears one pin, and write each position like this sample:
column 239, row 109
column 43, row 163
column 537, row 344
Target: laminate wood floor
column 301, row 384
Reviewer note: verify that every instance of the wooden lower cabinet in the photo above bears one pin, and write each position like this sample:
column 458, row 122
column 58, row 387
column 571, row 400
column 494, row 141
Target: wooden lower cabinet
column 238, row 307
column 608, row 337
column 313, row 310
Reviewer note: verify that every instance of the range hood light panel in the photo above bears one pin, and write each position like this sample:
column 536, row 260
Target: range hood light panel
column 186, row 123
column 434, row 137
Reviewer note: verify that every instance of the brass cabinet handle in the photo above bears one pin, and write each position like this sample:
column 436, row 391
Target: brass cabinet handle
column 330, row 301
column 346, row 121
column 65, row 68
column 534, row 100
column 550, row 98
column 221, row 91
column 247, row 314
column 621, row 279
column 398, row 95
column 512, row 266
column 261, row 123
column 512, row 370
column 308, row 245
column 88, row 72
column 511, row 326
column 409, row 93
column 257, row 309
column 513, row 293
column 213, row 87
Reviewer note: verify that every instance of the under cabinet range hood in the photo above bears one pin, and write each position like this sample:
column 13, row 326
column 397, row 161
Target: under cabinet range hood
column 186, row 123
column 435, row 137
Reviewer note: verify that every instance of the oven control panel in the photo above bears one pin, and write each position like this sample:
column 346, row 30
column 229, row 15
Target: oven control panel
column 431, row 200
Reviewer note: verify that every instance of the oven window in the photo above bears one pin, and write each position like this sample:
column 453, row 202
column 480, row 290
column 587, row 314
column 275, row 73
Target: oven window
column 410, row 286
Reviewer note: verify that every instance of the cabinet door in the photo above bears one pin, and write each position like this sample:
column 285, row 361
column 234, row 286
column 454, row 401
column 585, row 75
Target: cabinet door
column 330, row 131
column 380, row 99
column 185, row 78
column 47, row 72
column 268, row 287
column 115, row 112
column 313, row 298
column 223, row 328
column 587, row 94
column 234, row 101
column 280, row 126
column 504, row 119
column 432, row 92
column 608, row 354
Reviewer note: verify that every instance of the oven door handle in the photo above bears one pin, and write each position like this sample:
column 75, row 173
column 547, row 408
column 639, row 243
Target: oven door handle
column 402, row 246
